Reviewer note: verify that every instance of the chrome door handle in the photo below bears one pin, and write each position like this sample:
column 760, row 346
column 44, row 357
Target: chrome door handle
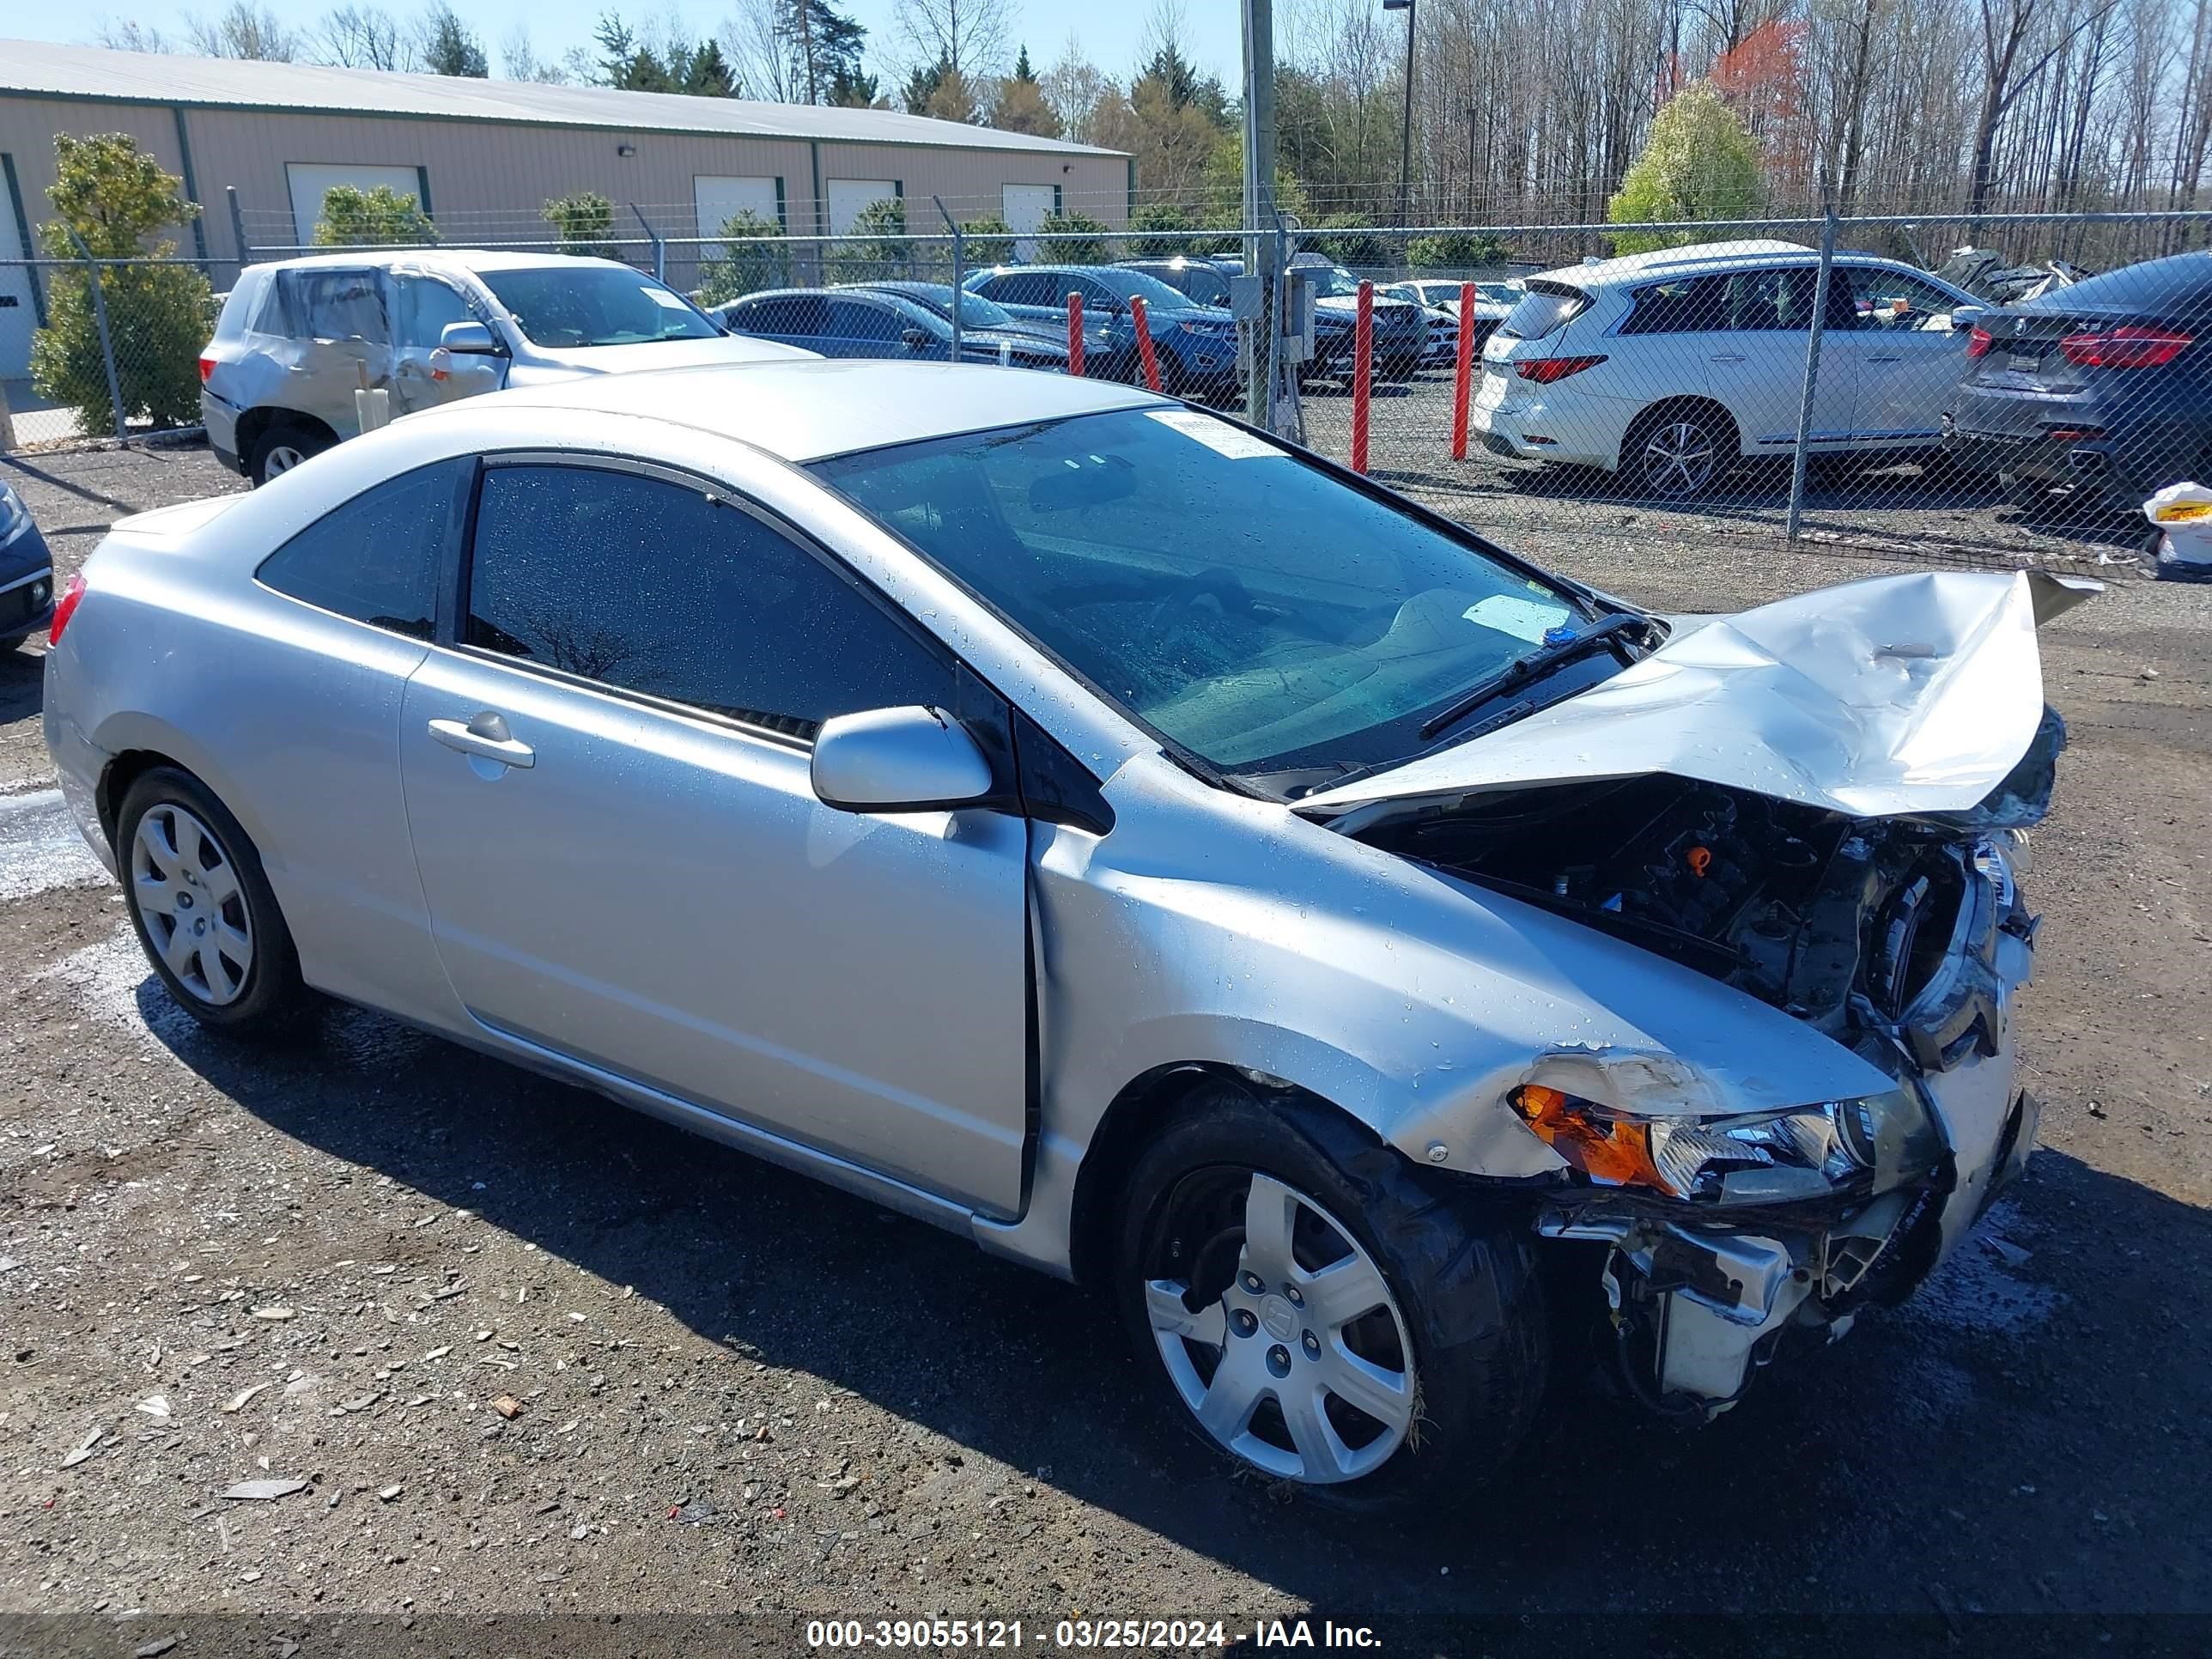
column 1727, row 357
column 486, row 737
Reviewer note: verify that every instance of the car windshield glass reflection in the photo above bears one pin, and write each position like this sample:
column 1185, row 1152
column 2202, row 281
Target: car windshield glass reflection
column 1247, row 605
column 592, row 306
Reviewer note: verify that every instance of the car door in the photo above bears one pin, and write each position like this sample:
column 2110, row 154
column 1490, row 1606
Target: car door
column 422, row 305
column 1756, row 361
column 1909, row 359
column 339, row 341
column 861, row 325
column 607, row 779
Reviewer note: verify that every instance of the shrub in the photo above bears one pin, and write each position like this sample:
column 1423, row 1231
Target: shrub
column 1362, row 250
column 381, row 217
column 988, row 242
column 753, row 258
column 1056, row 247
column 585, row 223
column 1154, row 226
column 1457, row 250
column 1700, row 162
column 870, row 251
column 112, row 198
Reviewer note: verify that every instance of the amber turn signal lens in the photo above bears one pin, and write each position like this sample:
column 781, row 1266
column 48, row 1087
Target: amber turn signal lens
column 1603, row 1148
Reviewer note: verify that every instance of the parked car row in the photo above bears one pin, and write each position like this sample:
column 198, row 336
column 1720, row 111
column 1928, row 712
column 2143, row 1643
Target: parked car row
column 1670, row 368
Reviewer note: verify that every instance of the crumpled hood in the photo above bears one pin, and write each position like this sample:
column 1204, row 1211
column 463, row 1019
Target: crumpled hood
column 1893, row 695
column 659, row 354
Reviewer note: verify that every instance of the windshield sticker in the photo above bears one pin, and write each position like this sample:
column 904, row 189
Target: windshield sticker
column 1219, row 436
column 1523, row 619
column 667, row 300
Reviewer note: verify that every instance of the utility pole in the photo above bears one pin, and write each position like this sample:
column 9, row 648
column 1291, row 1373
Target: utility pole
column 1406, row 129
column 1263, row 246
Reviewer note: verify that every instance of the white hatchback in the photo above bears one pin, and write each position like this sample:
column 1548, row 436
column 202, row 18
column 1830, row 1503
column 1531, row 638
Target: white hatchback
column 1669, row 366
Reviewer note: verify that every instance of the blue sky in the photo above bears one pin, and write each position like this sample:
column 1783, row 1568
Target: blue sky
column 1111, row 33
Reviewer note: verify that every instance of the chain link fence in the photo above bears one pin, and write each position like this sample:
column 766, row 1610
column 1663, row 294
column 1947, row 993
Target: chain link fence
column 2008, row 388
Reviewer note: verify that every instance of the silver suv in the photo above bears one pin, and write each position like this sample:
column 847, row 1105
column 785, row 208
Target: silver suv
column 298, row 339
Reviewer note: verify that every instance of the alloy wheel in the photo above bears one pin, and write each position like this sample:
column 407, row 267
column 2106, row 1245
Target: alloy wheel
column 1295, row 1356
column 282, row 458
column 188, row 892
column 1679, row 458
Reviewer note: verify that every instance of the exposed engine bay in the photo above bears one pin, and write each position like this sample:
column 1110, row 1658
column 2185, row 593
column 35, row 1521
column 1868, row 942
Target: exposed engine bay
column 1901, row 937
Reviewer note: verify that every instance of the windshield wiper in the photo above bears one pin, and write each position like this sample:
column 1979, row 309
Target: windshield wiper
column 1536, row 664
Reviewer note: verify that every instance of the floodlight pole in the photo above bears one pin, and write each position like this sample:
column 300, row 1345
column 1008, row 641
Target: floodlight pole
column 1263, row 246
column 1406, row 126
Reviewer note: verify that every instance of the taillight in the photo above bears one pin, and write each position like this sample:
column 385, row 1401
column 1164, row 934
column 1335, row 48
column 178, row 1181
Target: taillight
column 65, row 608
column 1978, row 341
column 1545, row 370
column 2125, row 348
column 207, row 367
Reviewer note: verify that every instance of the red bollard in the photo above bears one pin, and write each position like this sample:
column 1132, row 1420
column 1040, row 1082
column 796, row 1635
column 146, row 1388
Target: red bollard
column 1464, row 384
column 1074, row 332
column 1363, row 374
column 1144, row 352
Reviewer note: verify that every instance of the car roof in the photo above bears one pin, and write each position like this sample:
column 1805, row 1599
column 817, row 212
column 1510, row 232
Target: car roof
column 447, row 258
column 1698, row 259
column 803, row 409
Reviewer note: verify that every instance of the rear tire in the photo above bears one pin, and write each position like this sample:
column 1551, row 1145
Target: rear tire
column 282, row 446
column 203, row 909
column 1679, row 452
column 1395, row 1347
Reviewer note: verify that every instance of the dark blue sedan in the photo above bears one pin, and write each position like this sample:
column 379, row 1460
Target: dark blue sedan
column 27, row 572
column 870, row 321
column 1195, row 344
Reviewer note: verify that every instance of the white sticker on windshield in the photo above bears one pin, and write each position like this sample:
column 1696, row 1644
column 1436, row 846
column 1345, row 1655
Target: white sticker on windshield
column 1524, row 619
column 667, row 300
column 1219, row 436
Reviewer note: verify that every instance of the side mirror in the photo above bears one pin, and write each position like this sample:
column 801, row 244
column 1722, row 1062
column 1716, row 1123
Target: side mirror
column 469, row 339
column 898, row 760
column 914, row 339
column 1966, row 316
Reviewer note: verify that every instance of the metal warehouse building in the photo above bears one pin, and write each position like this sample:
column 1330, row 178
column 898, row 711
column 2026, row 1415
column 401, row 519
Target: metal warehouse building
column 483, row 156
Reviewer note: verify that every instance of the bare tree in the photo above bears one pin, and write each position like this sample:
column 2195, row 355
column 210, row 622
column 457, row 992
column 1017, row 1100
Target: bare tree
column 967, row 37
column 518, row 59
column 1074, row 87
column 753, row 37
column 244, row 30
column 130, row 36
column 361, row 37
column 2012, row 61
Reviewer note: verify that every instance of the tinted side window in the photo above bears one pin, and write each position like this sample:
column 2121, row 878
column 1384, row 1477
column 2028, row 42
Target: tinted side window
column 1772, row 301
column 1890, row 300
column 376, row 558
column 1691, row 304
column 783, row 313
column 1027, row 287
column 858, row 319
column 336, row 304
column 425, row 307
column 656, row 588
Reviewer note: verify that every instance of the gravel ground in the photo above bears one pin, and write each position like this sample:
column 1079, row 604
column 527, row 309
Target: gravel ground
column 513, row 1350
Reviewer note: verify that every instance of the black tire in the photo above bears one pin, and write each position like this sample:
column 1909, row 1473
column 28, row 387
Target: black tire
column 1686, row 429
column 1465, row 1288
column 270, row 999
column 283, row 446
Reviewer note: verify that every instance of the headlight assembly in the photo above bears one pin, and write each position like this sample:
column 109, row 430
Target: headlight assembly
column 15, row 517
column 1761, row 1157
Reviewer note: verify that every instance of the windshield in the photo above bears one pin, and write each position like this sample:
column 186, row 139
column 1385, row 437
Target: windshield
column 976, row 311
column 568, row 305
column 1247, row 605
column 1136, row 285
column 1333, row 283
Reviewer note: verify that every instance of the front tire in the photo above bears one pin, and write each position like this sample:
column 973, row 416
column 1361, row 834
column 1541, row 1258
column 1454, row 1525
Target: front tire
column 1312, row 1307
column 203, row 909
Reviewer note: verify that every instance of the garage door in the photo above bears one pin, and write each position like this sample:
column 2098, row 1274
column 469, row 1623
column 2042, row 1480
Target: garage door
column 309, row 179
column 1025, row 207
column 719, row 200
column 19, row 313
column 848, row 196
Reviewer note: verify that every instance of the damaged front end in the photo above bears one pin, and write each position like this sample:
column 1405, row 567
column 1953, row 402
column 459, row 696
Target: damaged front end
column 1899, row 933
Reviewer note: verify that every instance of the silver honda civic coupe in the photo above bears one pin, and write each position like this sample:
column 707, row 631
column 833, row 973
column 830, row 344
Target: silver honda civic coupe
column 1084, row 823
